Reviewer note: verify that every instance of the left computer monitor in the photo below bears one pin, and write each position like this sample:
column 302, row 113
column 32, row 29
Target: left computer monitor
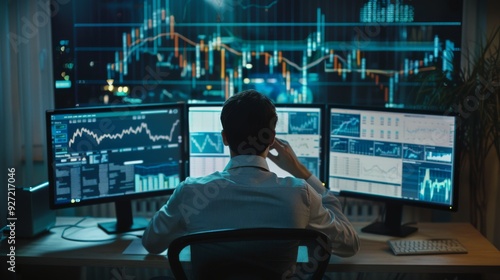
column 115, row 154
column 300, row 125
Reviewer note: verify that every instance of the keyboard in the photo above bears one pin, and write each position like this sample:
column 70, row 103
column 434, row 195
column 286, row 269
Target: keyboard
column 426, row 246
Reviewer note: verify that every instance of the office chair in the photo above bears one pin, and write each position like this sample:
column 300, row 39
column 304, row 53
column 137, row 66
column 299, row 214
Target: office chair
column 253, row 253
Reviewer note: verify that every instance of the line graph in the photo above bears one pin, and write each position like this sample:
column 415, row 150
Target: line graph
column 206, row 143
column 133, row 131
column 345, row 125
column 389, row 172
column 338, row 145
column 425, row 135
column 435, row 185
column 387, row 149
column 366, row 168
column 428, row 132
column 303, row 123
column 414, row 152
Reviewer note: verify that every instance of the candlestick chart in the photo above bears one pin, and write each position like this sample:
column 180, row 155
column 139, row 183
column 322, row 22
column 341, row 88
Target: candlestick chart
column 355, row 52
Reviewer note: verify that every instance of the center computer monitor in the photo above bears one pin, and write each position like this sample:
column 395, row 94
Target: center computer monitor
column 300, row 125
column 395, row 156
column 115, row 154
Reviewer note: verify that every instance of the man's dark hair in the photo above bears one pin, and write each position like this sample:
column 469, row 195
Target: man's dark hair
column 249, row 121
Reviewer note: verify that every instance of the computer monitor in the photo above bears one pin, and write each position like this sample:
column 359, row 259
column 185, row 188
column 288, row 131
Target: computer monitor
column 401, row 157
column 300, row 125
column 115, row 154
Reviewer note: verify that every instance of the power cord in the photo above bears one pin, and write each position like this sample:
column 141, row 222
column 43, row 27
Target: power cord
column 76, row 225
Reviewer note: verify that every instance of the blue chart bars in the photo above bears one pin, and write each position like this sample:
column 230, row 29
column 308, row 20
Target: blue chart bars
column 295, row 51
column 392, row 154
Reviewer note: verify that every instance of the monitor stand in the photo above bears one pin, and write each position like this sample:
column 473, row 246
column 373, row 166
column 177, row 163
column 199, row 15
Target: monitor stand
column 124, row 220
column 392, row 223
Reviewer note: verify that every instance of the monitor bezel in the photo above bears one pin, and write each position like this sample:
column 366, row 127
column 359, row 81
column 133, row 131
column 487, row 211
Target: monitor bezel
column 453, row 207
column 103, row 109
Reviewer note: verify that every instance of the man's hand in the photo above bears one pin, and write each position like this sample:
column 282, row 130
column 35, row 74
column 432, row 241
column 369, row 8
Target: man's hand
column 287, row 160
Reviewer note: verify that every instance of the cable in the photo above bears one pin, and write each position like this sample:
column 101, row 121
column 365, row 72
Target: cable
column 87, row 240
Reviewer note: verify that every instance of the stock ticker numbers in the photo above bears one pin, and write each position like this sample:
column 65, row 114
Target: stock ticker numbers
column 354, row 52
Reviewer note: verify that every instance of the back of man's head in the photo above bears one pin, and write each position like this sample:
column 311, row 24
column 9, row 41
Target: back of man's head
column 249, row 121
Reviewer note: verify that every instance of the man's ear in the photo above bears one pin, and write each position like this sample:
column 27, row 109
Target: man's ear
column 224, row 139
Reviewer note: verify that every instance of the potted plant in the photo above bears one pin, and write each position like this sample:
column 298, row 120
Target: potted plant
column 474, row 94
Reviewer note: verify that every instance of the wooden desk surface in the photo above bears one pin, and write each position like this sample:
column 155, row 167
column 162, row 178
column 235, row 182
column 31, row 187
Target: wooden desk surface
column 99, row 249
column 374, row 255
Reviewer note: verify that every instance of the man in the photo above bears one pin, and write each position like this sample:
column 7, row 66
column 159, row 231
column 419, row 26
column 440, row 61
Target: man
column 246, row 194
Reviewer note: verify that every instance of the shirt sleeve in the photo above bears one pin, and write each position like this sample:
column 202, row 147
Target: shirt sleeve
column 327, row 216
column 166, row 225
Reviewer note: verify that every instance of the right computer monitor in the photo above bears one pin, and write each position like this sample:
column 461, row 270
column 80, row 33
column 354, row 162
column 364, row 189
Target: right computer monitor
column 401, row 157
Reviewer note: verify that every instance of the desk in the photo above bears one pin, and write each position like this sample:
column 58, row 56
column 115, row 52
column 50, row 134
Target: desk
column 375, row 255
column 50, row 249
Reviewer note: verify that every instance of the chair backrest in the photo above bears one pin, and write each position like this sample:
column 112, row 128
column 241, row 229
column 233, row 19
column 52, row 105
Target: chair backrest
column 253, row 253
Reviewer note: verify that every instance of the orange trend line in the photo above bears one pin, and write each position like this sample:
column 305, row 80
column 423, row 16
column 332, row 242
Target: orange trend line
column 231, row 49
column 223, row 47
